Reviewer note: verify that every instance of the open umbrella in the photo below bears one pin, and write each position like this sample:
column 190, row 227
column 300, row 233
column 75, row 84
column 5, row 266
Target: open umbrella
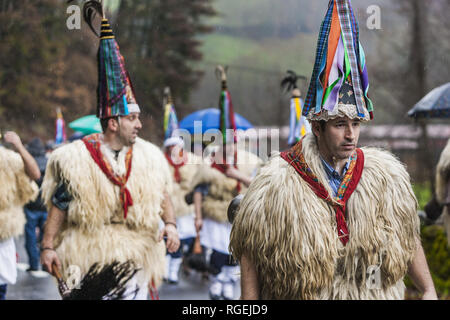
column 86, row 125
column 210, row 119
column 435, row 104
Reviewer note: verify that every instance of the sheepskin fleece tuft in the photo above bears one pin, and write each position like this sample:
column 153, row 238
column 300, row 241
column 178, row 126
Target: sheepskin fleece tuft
column 180, row 190
column 16, row 190
column 442, row 176
column 222, row 189
column 290, row 234
column 95, row 229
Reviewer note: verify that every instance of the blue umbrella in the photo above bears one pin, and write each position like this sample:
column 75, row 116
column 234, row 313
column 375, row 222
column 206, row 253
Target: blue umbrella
column 210, row 120
column 435, row 104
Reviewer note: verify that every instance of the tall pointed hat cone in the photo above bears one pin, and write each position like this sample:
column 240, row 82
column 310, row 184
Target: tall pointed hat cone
column 339, row 82
column 170, row 116
column 115, row 93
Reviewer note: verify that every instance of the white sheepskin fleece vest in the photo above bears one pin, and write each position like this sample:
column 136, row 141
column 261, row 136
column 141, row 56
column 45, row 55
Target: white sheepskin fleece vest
column 290, row 234
column 180, row 190
column 222, row 189
column 442, row 176
column 16, row 190
column 95, row 228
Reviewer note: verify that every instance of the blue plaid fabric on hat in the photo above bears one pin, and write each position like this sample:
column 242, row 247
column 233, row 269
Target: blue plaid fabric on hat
column 321, row 45
column 347, row 31
column 339, row 55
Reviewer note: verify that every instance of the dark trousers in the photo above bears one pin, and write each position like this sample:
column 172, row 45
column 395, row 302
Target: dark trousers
column 3, row 288
column 218, row 260
column 35, row 219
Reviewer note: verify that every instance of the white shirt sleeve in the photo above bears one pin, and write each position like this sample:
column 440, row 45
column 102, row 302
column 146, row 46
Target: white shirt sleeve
column 8, row 265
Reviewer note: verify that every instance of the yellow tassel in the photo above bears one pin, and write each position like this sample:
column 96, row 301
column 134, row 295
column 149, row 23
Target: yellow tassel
column 298, row 108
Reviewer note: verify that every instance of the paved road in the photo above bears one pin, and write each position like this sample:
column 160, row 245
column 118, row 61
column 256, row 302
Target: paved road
column 190, row 287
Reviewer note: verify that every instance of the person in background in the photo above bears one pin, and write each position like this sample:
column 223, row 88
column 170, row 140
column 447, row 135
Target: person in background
column 35, row 212
column 183, row 166
column 18, row 171
column 443, row 187
column 227, row 173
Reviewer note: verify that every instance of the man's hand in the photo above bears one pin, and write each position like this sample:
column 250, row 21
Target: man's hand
column 170, row 229
column 198, row 198
column 14, row 139
column 31, row 167
column 172, row 239
column 198, row 224
column 48, row 258
column 53, row 224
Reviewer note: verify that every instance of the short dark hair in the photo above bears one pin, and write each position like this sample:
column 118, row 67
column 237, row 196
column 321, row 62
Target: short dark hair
column 322, row 124
column 104, row 122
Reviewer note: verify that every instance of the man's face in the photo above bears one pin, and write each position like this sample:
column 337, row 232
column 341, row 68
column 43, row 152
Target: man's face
column 176, row 152
column 129, row 128
column 339, row 137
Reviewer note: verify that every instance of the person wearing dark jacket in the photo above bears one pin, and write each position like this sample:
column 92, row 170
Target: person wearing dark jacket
column 35, row 211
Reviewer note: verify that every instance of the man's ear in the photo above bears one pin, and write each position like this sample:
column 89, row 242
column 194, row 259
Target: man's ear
column 113, row 125
column 315, row 127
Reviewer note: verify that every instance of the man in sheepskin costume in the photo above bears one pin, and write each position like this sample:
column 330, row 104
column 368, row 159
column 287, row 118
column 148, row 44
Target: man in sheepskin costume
column 227, row 173
column 183, row 166
column 326, row 220
column 106, row 193
column 443, row 186
column 18, row 171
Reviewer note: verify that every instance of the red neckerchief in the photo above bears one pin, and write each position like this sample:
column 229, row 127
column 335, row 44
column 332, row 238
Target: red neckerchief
column 176, row 167
column 223, row 168
column 93, row 143
column 153, row 291
column 295, row 158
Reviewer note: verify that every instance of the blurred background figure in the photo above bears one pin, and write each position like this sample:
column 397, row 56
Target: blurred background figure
column 35, row 212
column 60, row 135
column 17, row 171
column 228, row 173
column 443, row 188
column 298, row 125
column 183, row 166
